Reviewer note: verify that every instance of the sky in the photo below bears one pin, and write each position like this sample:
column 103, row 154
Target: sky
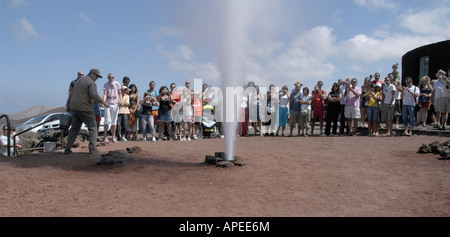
column 44, row 43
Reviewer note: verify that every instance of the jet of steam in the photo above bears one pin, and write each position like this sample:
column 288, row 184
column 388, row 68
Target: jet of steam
column 232, row 59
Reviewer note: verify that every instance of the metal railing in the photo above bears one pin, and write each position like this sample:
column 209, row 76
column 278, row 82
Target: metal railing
column 8, row 132
column 26, row 130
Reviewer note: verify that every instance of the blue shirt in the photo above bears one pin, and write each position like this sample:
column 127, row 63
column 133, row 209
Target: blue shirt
column 154, row 94
column 295, row 100
column 96, row 108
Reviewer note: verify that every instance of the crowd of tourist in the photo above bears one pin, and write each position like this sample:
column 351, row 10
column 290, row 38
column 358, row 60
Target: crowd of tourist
column 339, row 111
column 374, row 101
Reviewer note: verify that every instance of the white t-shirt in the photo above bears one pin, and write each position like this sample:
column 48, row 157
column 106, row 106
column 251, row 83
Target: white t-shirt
column 408, row 98
column 388, row 94
column 4, row 144
column 438, row 86
column 306, row 99
column 284, row 101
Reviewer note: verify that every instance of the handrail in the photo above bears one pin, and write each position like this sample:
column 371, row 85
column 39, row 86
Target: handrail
column 24, row 131
column 8, row 132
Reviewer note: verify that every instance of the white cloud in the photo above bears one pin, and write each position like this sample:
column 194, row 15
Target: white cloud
column 377, row 4
column 168, row 31
column 428, row 21
column 183, row 52
column 85, row 18
column 18, row 3
column 181, row 61
column 337, row 18
column 369, row 49
column 24, row 31
column 306, row 57
column 424, row 27
column 207, row 71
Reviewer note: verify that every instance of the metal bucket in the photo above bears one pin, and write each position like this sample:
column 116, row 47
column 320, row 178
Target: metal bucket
column 49, row 146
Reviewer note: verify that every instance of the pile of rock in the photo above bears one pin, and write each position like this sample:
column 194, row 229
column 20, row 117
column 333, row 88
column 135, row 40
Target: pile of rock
column 133, row 149
column 443, row 149
column 219, row 160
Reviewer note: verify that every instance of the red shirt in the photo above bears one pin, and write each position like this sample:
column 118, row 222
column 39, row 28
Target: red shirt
column 319, row 101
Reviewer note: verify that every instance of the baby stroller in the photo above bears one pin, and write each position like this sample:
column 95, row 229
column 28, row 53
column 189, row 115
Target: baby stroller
column 209, row 128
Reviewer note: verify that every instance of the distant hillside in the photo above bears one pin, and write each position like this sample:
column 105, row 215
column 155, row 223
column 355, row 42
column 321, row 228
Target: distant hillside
column 24, row 115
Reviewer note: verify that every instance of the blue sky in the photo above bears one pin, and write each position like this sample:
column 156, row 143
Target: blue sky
column 44, row 43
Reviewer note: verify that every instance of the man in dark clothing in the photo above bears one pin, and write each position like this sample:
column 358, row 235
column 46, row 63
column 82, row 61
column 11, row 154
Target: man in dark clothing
column 80, row 101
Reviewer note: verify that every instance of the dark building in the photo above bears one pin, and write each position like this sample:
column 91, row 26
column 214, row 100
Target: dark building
column 426, row 61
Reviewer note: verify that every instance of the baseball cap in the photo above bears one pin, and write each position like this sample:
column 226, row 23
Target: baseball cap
column 96, row 72
column 298, row 83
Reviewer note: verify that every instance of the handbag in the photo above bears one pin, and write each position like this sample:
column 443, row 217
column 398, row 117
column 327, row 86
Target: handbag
column 417, row 108
column 304, row 111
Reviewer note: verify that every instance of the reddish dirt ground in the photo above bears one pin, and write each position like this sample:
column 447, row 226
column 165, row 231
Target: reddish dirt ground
column 283, row 177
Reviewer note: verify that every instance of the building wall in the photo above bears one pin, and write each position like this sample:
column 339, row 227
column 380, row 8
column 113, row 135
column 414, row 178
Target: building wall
column 439, row 56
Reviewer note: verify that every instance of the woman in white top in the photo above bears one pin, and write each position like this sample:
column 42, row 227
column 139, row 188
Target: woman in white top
column 283, row 114
column 409, row 95
column 305, row 111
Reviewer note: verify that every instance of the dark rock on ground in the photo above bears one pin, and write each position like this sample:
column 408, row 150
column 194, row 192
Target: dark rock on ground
column 115, row 157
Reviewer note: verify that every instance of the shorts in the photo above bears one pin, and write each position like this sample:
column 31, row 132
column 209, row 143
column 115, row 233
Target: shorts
column 318, row 112
column 444, row 105
column 352, row 112
column 98, row 118
column 165, row 115
column 409, row 115
column 436, row 103
column 387, row 113
column 294, row 117
column 111, row 114
column 372, row 114
column 304, row 120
